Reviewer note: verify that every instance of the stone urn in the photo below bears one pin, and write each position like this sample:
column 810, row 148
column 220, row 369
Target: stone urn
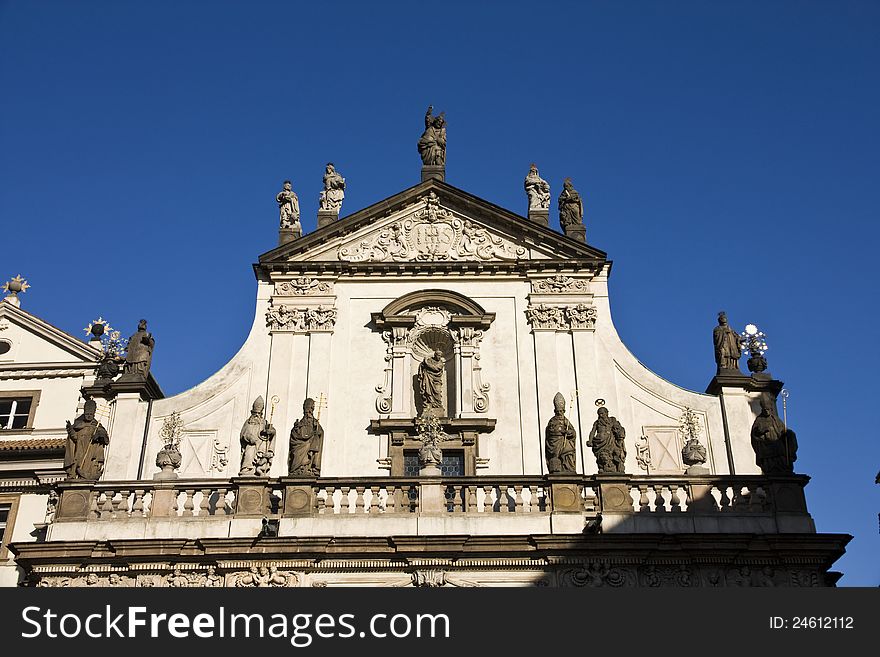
column 757, row 364
column 168, row 459
column 693, row 454
column 97, row 330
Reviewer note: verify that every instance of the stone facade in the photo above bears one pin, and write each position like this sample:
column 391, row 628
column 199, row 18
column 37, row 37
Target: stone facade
column 345, row 316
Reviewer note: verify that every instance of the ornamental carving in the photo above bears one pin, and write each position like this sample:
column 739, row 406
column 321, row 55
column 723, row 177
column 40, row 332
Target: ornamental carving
column 562, row 318
column 657, row 576
column 300, row 320
column 303, row 286
column 431, row 234
column 432, row 316
column 559, row 285
column 595, row 574
column 264, row 577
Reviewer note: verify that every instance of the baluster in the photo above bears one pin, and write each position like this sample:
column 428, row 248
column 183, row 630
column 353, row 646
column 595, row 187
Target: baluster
column 471, row 499
column 488, row 505
column 107, row 506
column 389, row 499
column 724, row 501
column 740, row 499
column 539, row 499
column 205, row 503
column 460, row 498
column 517, row 499
column 220, row 505
column 644, row 504
column 503, row 499
column 375, row 500
column 188, row 501
column 120, row 506
column 359, row 499
column 137, row 505
column 344, row 502
column 659, row 502
column 415, row 502
column 674, row 502
column 320, row 500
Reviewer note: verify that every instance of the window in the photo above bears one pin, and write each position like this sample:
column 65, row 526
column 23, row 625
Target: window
column 17, row 409
column 452, row 465
column 8, row 507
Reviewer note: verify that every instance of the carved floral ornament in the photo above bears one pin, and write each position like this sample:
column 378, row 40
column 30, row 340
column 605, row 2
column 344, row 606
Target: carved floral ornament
column 300, row 320
column 562, row 318
column 431, row 233
column 303, row 286
column 559, row 285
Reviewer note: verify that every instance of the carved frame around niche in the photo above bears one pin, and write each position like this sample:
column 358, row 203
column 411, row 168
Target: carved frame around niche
column 413, row 324
column 405, row 323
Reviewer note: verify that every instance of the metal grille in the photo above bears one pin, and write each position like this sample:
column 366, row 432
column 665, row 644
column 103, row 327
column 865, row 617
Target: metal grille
column 452, row 465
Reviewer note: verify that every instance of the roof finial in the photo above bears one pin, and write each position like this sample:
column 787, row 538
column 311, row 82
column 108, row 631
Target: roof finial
column 14, row 287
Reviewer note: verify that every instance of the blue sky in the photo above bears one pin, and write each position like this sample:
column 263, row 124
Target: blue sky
column 726, row 153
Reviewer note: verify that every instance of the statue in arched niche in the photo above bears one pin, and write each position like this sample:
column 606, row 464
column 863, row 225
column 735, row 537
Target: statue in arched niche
column 431, row 386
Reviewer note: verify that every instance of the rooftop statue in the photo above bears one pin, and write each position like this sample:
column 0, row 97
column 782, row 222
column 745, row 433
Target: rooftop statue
column 728, row 345
column 537, row 189
column 571, row 208
column 139, row 354
column 288, row 207
column 432, row 144
column 334, row 190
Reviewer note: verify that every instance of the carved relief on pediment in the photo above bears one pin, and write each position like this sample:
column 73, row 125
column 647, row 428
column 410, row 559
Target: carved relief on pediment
column 431, row 234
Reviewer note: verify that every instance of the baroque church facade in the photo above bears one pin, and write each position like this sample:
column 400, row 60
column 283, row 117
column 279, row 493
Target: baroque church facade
column 432, row 393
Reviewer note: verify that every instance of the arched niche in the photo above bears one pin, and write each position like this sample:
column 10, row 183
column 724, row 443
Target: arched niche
column 418, row 322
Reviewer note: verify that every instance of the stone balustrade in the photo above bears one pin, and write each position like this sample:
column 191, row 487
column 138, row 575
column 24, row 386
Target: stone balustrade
column 627, row 502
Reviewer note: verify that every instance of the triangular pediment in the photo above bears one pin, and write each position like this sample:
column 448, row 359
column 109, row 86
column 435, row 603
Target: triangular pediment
column 38, row 341
column 432, row 222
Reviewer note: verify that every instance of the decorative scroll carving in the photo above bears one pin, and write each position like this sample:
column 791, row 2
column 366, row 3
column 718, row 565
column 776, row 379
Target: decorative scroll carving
column 383, row 401
column 559, row 285
column 300, row 320
column 562, row 318
column 303, row 286
column 431, row 234
column 595, row 574
column 481, row 390
column 218, row 456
